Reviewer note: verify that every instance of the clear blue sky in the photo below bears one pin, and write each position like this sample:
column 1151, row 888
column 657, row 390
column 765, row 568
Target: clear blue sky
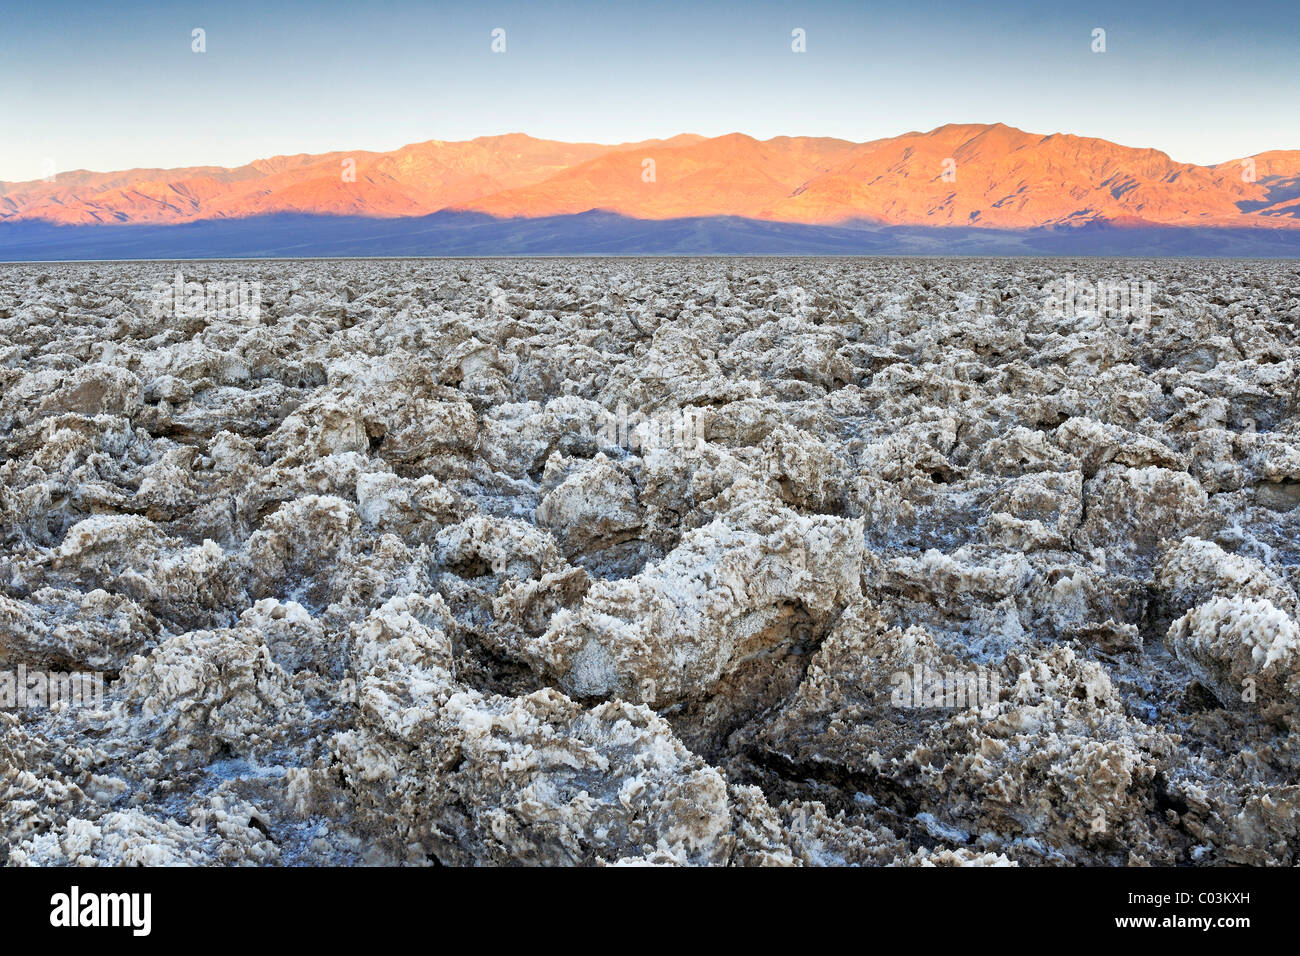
column 115, row 85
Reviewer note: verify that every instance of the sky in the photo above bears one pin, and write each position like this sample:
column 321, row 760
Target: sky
column 106, row 86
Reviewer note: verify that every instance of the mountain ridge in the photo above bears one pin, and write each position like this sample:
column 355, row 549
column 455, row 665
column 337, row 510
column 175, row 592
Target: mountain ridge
column 976, row 175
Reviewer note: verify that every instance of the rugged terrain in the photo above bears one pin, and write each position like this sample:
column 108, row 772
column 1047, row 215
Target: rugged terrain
column 620, row 561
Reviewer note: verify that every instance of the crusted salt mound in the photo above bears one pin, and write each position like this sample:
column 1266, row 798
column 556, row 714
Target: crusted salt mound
column 437, row 768
column 68, row 628
column 1243, row 649
column 206, row 693
column 729, row 591
column 1195, row 569
column 218, row 835
column 1131, row 512
column 595, row 514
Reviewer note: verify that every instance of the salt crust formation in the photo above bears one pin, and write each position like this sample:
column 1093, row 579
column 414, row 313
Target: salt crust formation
column 403, row 570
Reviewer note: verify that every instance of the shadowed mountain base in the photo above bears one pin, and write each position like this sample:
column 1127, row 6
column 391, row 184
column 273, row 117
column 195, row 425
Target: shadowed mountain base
column 603, row 233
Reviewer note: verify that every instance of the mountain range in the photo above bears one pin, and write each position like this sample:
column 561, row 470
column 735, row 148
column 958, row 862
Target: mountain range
column 975, row 185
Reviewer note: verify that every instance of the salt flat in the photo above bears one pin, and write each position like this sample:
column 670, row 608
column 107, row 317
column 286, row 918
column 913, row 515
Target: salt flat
column 711, row 561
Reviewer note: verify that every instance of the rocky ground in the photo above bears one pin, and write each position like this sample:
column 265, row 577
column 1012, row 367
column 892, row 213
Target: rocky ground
column 620, row 561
